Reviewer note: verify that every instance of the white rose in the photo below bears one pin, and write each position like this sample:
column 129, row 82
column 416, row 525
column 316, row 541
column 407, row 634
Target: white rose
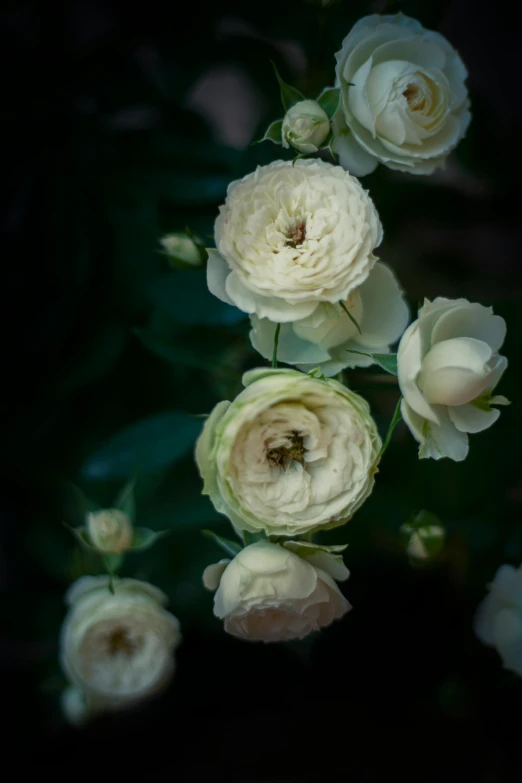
column 448, row 365
column 498, row 621
column 181, row 249
column 291, row 454
column 110, row 530
column 326, row 337
column 267, row 593
column 408, row 106
column 305, row 127
column 115, row 649
column 290, row 237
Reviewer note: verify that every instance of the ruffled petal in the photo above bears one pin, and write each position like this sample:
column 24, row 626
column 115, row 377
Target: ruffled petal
column 467, row 418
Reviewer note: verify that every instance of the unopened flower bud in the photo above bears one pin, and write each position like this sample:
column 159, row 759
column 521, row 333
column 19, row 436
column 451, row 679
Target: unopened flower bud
column 305, row 127
column 110, row 530
column 181, row 250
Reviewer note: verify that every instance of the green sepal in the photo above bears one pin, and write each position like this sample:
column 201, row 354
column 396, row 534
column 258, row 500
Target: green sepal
column 329, row 101
column 273, row 133
column 232, row 548
column 289, row 95
column 145, row 538
column 388, row 361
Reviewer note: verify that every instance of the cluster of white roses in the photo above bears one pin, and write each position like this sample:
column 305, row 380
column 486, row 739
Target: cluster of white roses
column 297, row 452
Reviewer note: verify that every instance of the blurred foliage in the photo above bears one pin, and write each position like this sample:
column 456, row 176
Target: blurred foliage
column 111, row 355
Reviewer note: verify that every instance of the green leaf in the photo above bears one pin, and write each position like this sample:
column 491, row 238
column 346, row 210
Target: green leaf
column 352, row 319
column 273, row 133
column 145, row 538
column 126, row 501
column 112, row 563
column 149, row 444
column 307, row 547
column 388, row 361
column 289, row 95
column 397, row 416
column 230, row 547
column 82, row 536
column 328, row 100
column 316, row 372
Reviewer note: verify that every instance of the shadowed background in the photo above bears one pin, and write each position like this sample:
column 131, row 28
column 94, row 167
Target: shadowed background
column 122, row 125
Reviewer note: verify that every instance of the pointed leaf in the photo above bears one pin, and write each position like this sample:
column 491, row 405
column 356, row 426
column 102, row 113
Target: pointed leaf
column 126, row 501
column 149, row 444
column 329, row 101
column 82, row 536
column 397, row 416
column 230, row 547
column 252, row 538
column 112, row 562
column 388, row 361
column 289, row 95
column 145, row 538
column 274, row 133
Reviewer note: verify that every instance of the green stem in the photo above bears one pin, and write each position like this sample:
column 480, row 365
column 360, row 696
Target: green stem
column 397, row 416
column 276, row 340
column 350, row 316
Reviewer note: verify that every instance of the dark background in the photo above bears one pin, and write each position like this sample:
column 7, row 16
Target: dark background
column 121, row 124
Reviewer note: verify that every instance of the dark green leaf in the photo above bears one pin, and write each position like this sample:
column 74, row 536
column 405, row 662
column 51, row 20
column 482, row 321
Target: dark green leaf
column 397, row 416
column 126, row 501
column 230, row 547
column 329, row 101
column 145, row 538
column 273, row 133
column 82, row 536
column 388, row 361
column 112, row 563
column 289, row 95
column 148, row 445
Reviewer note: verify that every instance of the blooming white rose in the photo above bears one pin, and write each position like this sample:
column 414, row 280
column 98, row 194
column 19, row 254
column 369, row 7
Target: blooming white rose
column 270, row 594
column 291, row 454
column 448, row 365
column 110, row 530
column 326, row 337
column 408, row 103
column 290, row 237
column 115, row 649
column 498, row 621
column 305, row 127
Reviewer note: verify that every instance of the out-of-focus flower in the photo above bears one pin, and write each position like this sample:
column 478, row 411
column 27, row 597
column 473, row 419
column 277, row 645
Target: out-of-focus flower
column 110, row 530
column 498, row 621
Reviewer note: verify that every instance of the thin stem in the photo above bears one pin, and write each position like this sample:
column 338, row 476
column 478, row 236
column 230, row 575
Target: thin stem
column 397, row 416
column 350, row 316
column 276, row 340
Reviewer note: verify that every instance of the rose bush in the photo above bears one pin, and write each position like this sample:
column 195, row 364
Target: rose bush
column 268, row 593
column 498, row 621
column 291, row 454
column 326, row 337
column 448, row 366
column 290, row 237
column 115, row 649
column 404, row 101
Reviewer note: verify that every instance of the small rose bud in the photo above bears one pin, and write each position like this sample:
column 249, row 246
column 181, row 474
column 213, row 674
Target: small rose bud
column 423, row 541
column 110, row 530
column 181, row 250
column 305, row 127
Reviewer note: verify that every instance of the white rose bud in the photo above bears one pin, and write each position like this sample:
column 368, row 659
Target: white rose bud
column 290, row 237
column 448, row 366
column 116, row 649
column 407, row 106
column 110, row 530
column 498, row 621
column 326, row 338
column 267, row 593
column 290, row 455
column 305, row 127
column 181, row 250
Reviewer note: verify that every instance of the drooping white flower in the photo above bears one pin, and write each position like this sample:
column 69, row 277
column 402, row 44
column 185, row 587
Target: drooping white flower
column 448, row 366
column 291, row 454
column 325, row 338
column 407, row 106
column 290, row 237
column 110, row 530
column 305, row 127
column 498, row 620
column 116, row 649
column 270, row 594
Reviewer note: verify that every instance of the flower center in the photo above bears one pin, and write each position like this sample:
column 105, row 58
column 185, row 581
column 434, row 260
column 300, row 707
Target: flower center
column 284, row 455
column 120, row 641
column 297, row 234
column 415, row 97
